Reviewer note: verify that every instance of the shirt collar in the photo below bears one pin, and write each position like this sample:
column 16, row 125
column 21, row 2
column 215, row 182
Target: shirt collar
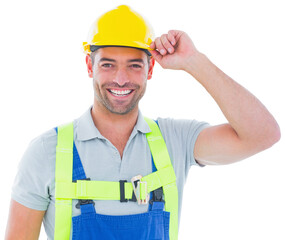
column 141, row 124
column 87, row 130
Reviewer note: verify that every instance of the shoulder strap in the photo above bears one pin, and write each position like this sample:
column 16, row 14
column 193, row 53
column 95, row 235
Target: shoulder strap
column 162, row 161
column 63, row 174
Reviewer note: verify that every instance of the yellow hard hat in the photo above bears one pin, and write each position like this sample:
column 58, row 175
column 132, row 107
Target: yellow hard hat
column 119, row 27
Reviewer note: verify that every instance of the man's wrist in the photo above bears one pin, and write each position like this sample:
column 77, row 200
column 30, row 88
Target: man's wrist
column 194, row 64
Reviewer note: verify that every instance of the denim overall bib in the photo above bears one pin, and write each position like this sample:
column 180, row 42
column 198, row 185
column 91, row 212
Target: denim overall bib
column 152, row 225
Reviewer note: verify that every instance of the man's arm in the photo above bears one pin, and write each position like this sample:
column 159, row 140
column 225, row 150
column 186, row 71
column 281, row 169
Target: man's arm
column 24, row 223
column 251, row 127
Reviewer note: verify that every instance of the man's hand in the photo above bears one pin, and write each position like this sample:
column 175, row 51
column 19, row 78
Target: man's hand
column 173, row 50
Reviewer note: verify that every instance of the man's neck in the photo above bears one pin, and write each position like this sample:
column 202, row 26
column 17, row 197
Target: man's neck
column 114, row 125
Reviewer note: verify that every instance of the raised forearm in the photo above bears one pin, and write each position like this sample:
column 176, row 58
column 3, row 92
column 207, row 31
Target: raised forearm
column 245, row 113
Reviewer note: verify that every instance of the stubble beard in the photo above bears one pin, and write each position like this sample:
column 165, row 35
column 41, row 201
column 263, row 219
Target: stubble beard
column 101, row 94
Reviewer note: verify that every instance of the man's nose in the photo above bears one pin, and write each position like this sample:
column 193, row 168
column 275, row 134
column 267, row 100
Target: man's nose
column 121, row 77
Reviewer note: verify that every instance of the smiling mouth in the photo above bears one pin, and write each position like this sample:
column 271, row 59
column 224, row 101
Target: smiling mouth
column 121, row 93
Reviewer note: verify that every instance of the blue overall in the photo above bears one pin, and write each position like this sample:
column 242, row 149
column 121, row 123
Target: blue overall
column 153, row 224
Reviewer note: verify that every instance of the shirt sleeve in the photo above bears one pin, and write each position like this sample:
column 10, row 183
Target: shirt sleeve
column 180, row 137
column 31, row 184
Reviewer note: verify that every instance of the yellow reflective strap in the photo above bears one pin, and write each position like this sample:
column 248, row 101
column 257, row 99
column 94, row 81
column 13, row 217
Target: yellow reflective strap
column 105, row 190
column 159, row 178
column 157, row 145
column 63, row 217
column 162, row 160
column 63, row 173
column 97, row 190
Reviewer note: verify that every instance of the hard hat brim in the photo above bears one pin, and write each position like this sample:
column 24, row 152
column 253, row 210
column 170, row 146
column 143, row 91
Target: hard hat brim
column 93, row 48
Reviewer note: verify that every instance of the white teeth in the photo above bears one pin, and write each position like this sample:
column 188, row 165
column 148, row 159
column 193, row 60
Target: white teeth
column 120, row 93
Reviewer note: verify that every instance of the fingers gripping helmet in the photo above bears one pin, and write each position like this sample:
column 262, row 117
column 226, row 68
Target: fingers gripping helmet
column 119, row 27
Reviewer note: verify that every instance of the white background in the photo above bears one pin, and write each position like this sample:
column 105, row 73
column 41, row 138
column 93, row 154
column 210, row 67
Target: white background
column 44, row 83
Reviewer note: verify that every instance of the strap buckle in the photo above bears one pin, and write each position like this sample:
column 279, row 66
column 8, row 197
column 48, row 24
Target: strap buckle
column 138, row 185
column 122, row 191
column 157, row 196
column 83, row 201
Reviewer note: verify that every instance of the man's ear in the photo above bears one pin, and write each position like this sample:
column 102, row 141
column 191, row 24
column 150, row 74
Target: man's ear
column 150, row 70
column 89, row 65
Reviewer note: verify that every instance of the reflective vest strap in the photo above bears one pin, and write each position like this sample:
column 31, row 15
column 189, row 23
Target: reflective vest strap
column 171, row 205
column 63, row 217
column 106, row 190
column 159, row 178
column 97, row 190
column 63, row 173
column 162, row 160
column 64, row 153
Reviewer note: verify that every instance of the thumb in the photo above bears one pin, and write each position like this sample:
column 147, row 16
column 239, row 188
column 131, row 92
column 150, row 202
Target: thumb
column 156, row 55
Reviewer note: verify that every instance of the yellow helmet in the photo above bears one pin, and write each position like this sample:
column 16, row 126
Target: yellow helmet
column 119, row 27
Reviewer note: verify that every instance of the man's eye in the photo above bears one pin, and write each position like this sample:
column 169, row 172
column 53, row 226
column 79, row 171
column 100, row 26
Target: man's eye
column 106, row 65
column 136, row 66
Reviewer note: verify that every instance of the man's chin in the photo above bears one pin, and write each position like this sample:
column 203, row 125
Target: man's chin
column 121, row 111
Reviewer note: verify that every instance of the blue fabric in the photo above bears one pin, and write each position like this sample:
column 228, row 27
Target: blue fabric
column 78, row 170
column 150, row 225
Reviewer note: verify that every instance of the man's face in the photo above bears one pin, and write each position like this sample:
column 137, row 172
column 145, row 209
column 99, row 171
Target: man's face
column 119, row 78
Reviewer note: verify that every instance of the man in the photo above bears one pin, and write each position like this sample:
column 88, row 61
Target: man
column 111, row 135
